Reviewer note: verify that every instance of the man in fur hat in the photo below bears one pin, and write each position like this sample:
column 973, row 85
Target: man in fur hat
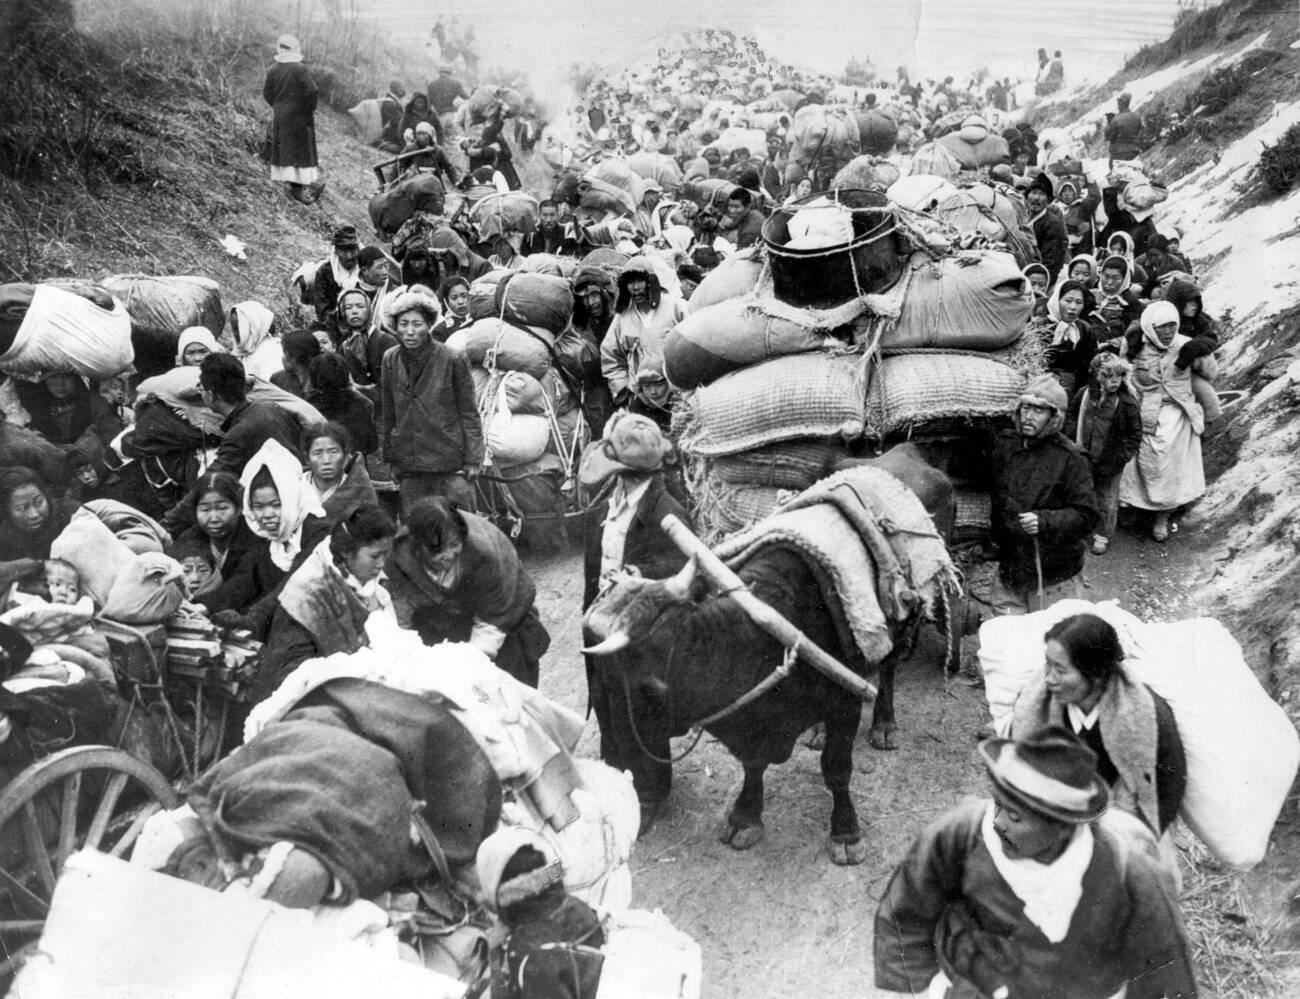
column 1048, row 225
column 1033, row 893
column 1044, row 507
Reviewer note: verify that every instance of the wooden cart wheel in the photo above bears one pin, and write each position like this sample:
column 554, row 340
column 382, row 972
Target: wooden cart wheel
column 83, row 798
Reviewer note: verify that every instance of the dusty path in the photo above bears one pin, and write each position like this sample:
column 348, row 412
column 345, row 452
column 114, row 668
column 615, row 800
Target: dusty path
column 780, row 919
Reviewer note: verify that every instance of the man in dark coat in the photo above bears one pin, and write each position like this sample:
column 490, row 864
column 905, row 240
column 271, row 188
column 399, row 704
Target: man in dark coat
column 245, row 427
column 1124, row 133
column 1044, row 506
column 336, row 274
column 443, row 94
column 551, row 235
column 1034, row 893
column 1048, row 225
column 429, row 425
column 622, row 532
column 455, row 577
column 291, row 92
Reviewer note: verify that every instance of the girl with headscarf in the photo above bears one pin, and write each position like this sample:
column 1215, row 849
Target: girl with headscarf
column 257, row 344
column 1167, row 472
column 324, row 605
column 194, row 344
column 1070, row 341
column 286, row 514
column 65, row 411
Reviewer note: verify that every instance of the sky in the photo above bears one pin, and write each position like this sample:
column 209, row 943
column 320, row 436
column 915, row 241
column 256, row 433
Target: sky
column 933, row 37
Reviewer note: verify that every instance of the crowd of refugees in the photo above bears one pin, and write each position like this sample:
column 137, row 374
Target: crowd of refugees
column 289, row 531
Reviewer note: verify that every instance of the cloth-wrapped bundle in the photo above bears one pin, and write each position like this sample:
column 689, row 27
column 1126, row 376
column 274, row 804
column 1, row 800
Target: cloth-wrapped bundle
column 160, row 308
column 735, row 277
column 659, row 167
column 978, row 300
column 512, row 348
column 524, row 298
column 46, row 328
column 821, row 132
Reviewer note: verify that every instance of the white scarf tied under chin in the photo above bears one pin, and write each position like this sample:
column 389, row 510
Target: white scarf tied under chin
column 297, row 502
column 1050, row 892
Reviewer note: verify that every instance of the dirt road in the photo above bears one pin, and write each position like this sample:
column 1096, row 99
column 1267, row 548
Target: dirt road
column 780, row 919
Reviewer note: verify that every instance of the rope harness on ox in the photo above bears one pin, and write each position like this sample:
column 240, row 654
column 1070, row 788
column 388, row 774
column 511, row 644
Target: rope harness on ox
column 697, row 729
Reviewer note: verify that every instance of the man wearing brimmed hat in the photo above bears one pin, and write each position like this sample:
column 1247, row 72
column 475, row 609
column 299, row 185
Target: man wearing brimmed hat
column 622, row 533
column 1044, row 506
column 1033, row 893
column 337, row 273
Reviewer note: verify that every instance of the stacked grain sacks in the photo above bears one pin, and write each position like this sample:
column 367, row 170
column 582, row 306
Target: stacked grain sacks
column 792, row 364
column 532, row 422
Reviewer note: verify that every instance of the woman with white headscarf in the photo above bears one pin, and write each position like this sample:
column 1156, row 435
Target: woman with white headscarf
column 291, row 92
column 256, row 341
column 1167, row 472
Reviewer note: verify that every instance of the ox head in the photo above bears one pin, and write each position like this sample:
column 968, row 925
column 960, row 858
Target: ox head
column 626, row 612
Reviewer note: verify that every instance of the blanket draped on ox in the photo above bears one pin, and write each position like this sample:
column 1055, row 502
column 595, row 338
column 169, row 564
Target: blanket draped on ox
column 342, row 774
column 872, row 547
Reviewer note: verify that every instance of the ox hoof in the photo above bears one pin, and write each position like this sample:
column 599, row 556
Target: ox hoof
column 815, row 737
column 740, row 837
column 649, row 815
column 883, row 736
column 848, row 854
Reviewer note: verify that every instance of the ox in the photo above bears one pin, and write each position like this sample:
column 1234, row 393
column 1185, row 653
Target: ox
column 696, row 654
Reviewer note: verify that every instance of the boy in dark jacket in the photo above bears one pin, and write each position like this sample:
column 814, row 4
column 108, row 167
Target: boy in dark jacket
column 1044, row 507
column 1105, row 422
column 430, row 431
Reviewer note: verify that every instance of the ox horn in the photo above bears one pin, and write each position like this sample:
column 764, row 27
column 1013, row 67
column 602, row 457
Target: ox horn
column 679, row 586
column 616, row 642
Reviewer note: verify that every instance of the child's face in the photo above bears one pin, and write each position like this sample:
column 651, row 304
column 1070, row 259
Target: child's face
column 197, row 572
column 1111, row 382
column 87, row 475
column 1038, row 282
column 63, row 584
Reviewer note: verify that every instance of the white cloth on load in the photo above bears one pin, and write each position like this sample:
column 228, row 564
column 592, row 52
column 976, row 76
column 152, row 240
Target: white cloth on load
column 646, row 956
column 820, row 223
column 1242, row 750
column 62, row 331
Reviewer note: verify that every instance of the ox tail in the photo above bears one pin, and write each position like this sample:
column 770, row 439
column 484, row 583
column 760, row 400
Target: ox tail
column 948, row 611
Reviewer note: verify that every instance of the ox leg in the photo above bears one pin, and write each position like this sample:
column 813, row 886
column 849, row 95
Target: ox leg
column 846, row 843
column 883, row 733
column 743, row 827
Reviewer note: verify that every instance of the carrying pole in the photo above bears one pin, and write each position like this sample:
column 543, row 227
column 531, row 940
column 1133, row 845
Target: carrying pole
column 762, row 614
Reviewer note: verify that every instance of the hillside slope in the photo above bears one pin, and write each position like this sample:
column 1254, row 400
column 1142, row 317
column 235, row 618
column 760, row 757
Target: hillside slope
column 151, row 160
column 1220, row 93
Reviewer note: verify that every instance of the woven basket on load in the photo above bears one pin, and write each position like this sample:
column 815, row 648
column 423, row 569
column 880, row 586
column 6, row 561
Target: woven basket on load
column 826, row 249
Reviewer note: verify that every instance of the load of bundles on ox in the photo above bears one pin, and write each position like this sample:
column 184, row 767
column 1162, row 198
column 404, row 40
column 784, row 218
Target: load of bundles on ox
column 409, row 803
column 855, row 325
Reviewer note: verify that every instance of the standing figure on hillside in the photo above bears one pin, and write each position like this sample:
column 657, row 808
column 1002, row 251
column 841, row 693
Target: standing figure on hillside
column 1167, row 472
column 291, row 92
column 1124, row 133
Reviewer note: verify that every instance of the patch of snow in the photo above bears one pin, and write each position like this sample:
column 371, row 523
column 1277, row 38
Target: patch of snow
column 1253, row 272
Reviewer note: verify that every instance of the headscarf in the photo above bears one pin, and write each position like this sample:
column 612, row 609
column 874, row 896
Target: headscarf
column 192, row 335
column 1157, row 314
column 288, row 49
column 1127, row 240
column 297, row 503
column 253, row 327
